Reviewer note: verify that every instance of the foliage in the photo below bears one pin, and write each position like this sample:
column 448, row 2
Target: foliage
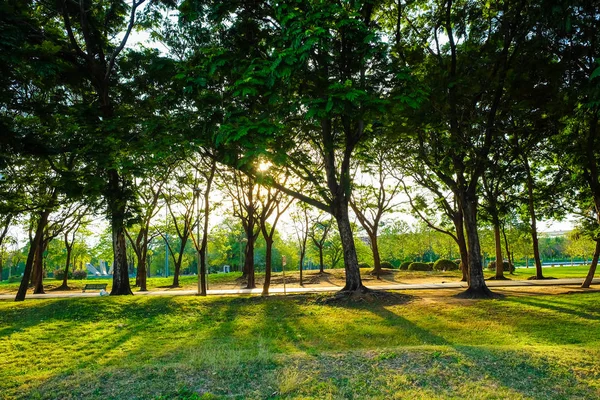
column 506, row 267
column 405, row 265
column 80, row 274
column 420, row 266
column 445, row 265
column 386, row 265
column 59, row 274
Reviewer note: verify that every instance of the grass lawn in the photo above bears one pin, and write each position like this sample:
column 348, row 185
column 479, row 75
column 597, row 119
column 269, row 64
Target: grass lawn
column 420, row 347
column 333, row 277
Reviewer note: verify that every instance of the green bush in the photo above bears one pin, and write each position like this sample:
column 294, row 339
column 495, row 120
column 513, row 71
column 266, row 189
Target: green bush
column 506, row 267
column 14, row 279
column 59, row 274
column 363, row 265
column 445, row 265
column 80, row 274
column 420, row 266
column 405, row 264
column 430, row 263
column 387, row 265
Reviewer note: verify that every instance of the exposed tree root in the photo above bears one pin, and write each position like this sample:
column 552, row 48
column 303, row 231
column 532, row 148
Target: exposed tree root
column 482, row 293
column 495, row 278
column 365, row 295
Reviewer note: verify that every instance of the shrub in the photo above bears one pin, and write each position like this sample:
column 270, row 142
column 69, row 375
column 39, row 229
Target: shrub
column 445, row 265
column 405, row 264
column 59, row 274
column 363, row 265
column 420, row 266
column 430, row 263
column 80, row 274
column 387, row 265
column 14, row 279
column 506, row 267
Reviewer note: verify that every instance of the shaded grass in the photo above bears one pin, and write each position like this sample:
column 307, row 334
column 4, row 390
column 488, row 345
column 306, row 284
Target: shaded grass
column 252, row 347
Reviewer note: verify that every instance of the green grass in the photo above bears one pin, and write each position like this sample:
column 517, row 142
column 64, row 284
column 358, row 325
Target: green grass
column 541, row 347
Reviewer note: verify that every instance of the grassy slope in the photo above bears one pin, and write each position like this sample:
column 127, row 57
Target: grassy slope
column 545, row 347
column 229, row 280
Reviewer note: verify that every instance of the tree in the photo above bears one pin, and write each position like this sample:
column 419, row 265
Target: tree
column 301, row 230
column 371, row 200
column 455, row 130
column 323, row 67
column 319, row 233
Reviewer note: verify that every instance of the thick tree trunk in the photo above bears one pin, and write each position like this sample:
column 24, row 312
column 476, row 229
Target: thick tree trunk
column 38, row 282
column 477, row 286
column 511, row 262
column 462, row 245
column 117, row 205
column 376, row 257
column 39, row 233
column 142, row 273
column 67, row 265
column 534, row 236
column 353, row 280
column 249, row 261
column 498, row 245
column 590, row 276
column 321, row 263
column 178, row 262
column 268, row 265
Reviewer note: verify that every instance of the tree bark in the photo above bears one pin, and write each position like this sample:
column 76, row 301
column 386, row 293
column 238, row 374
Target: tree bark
column 38, row 282
column 376, row 257
column 353, row 280
column 249, row 261
column 462, row 245
column 477, row 286
column 531, row 206
column 498, row 245
column 592, row 271
column 321, row 263
column 117, row 204
column 67, row 263
column 268, row 264
column 39, row 233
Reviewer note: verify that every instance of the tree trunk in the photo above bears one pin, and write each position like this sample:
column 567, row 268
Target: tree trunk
column 353, row 280
column 321, row 263
column 117, row 205
column 67, row 264
column 590, row 276
column 477, row 286
column 142, row 273
column 38, row 284
column 249, row 261
column 268, row 264
column 178, row 262
column 531, row 206
column 511, row 261
column 302, row 254
column 376, row 257
column 498, row 243
column 39, row 233
column 462, row 245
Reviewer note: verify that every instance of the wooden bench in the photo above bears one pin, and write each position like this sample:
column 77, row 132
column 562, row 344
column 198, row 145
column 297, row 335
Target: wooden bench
column 94, row 286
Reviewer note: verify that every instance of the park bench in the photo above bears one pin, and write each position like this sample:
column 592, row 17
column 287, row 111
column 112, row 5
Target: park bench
column 94, row 286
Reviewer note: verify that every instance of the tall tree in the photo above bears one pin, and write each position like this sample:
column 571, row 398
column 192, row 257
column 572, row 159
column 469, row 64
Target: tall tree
column 375, row 194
